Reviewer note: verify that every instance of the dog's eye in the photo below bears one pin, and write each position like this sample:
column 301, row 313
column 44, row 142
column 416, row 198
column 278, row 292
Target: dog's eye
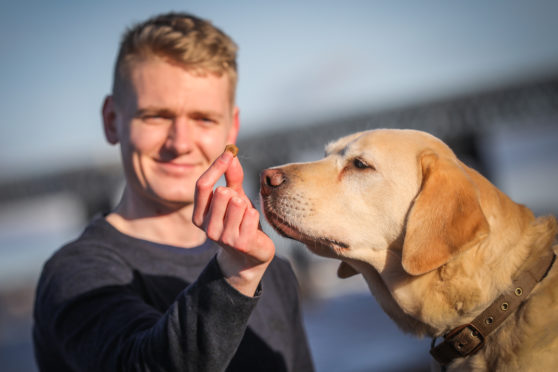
column 359, row 164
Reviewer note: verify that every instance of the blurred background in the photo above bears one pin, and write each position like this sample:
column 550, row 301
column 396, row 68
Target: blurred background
column 482, row 75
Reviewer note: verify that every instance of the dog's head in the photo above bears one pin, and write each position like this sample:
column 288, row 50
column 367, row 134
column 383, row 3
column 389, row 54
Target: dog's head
column 380, row 195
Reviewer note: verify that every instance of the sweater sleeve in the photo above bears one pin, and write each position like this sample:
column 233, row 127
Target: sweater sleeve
column 302, row 358
column 111, row 328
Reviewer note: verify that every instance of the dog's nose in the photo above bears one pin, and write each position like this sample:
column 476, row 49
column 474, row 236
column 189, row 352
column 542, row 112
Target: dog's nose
column 271, row 179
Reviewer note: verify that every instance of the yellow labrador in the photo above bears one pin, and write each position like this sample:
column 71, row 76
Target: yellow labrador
column 445, row 253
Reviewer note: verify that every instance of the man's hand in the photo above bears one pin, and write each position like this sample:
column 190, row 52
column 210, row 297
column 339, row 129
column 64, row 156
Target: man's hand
column 228, row 218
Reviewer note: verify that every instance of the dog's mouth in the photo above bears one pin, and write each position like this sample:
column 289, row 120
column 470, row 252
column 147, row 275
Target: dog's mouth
column 316, row 244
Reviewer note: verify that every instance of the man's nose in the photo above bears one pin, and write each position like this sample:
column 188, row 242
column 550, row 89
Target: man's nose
column 270, row 179
column 181, row 136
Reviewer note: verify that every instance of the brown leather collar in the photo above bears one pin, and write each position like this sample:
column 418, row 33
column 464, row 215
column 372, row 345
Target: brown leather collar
column 469, row 338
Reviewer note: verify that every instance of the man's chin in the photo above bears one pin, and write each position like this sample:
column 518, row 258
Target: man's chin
column 172, row 200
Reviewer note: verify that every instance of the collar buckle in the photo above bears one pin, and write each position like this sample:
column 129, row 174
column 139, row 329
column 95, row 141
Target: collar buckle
column 466, row 339
column 460, row 342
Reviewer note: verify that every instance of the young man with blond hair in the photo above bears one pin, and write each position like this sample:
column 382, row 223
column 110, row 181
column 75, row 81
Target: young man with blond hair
column 179, row 276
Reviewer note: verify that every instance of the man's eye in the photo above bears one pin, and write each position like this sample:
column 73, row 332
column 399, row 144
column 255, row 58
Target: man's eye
column 207, row 120
column 155, row 119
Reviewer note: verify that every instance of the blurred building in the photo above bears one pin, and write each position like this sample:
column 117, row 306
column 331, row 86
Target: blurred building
column 464, row 122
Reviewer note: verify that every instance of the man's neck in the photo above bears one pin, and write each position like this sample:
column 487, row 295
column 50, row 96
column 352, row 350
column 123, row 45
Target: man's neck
column 170, row 224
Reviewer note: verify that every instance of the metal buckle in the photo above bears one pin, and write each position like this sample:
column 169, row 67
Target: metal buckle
column 466, row 339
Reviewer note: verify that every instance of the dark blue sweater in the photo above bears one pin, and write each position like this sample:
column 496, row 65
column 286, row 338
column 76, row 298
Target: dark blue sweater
column 110, row 302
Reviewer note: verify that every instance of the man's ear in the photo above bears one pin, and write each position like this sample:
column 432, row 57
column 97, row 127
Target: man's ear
column 109, row 120
column 235, row 126
column 446, row 217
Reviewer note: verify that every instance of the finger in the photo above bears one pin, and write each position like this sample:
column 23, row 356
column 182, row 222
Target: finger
column 251, row 221
column 234, row 176
column 213, row 221
column 248, row 228
column 233, row 219
column 205, row 185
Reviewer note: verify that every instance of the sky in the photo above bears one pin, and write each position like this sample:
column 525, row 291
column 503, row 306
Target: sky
column 300, row 61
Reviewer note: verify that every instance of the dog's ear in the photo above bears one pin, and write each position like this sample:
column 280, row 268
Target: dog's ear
column 445, row 218
column 345, row 270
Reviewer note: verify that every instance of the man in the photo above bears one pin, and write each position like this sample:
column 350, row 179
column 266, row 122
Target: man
column 143, row 288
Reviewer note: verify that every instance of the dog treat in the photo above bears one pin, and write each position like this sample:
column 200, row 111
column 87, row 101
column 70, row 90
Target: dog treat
column 232, row 149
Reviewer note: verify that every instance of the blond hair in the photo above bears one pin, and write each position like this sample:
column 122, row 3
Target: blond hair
column 192, row 42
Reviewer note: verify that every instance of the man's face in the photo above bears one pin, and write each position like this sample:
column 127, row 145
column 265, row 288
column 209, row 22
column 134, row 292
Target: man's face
column 171, row 125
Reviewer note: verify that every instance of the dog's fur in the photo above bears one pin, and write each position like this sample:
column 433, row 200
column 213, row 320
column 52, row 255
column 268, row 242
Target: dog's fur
column 435, row 241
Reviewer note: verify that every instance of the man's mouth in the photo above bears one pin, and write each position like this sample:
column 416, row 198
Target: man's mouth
column 176, row 167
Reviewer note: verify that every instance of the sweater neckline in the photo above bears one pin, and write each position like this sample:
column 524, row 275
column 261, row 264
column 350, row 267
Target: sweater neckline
column 206, row 248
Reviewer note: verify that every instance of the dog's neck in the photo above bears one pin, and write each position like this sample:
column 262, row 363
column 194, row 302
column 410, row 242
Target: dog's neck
column 469, row 338
column 436, row 302
column 389, row 304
